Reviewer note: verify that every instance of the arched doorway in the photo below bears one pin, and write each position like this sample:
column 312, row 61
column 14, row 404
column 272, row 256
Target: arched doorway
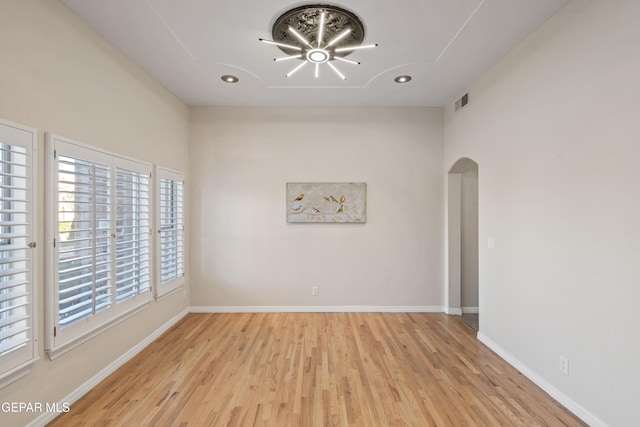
column 462, row 241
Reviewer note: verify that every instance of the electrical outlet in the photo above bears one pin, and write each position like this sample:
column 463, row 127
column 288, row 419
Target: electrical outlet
column 564, row 365
column 315, row 291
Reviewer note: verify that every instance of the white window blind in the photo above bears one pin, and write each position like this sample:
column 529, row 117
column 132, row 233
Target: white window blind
column 101, row 232
column 133, row 225
column 84, row 239
column 171, row 230
column 17, row 336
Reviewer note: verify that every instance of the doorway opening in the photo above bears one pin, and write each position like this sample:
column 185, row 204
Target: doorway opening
column 462, row 242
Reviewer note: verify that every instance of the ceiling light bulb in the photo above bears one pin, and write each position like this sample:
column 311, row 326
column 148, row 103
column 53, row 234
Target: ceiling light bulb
column 229, row 78
column 285, row 58
column 333, row 67
column 299, row 36
column 296, row 69
column 288, row 46
column 346, row 49
column 318, row 56
column 402, row 79
column 339, row 58
column 321, row 28
column 339, row 37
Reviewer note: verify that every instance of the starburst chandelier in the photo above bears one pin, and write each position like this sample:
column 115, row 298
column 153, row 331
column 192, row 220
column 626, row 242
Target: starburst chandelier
column 318, row 35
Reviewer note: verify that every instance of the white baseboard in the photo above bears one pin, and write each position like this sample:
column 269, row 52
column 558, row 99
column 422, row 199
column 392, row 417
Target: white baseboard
column 47, row 417
column 470, row 310
column 562, row 398
column 316, row 309
column 453, row 311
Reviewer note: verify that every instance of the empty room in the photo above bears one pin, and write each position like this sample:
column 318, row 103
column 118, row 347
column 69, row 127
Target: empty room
column 350, row 213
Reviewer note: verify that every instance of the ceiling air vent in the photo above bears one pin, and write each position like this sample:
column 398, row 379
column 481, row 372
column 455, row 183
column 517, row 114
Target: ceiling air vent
column 462, row 101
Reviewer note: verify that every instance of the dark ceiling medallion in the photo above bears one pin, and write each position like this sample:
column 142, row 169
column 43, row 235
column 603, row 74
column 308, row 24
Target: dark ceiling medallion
column 318, row 35
column 306, row 20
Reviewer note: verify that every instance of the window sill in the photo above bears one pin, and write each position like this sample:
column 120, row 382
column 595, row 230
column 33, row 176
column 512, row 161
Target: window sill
column 16, row 373
column 168, row 292
column 70, row 345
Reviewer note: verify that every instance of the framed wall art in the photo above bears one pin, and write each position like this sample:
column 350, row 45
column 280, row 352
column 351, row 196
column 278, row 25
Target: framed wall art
column 337, row 202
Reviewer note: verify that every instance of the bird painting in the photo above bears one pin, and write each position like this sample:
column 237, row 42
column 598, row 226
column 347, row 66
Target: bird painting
column 326, row 202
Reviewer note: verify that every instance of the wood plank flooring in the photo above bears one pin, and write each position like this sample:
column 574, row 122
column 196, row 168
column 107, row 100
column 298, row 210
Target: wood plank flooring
column 317, row 369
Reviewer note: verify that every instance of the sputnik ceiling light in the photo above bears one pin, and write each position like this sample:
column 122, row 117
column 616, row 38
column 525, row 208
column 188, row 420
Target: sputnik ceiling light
column 318, row 35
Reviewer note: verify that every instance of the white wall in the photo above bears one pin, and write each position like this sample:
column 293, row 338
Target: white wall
column 461, row 280
column 57, row 75
column 453, row 303
column 244, row 252
column 554, row 128
column 469, row 237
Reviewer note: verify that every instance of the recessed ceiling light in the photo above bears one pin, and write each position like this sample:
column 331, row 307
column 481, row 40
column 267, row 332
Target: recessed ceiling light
column 402, row 79
column 229, row 78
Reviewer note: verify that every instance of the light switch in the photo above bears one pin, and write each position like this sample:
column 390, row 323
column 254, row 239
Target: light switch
column 491, row 243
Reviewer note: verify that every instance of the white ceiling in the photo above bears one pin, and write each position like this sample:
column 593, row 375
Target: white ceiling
column 187, row 45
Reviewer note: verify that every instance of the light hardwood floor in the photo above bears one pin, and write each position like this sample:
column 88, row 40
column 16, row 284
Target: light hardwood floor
column 317, row 369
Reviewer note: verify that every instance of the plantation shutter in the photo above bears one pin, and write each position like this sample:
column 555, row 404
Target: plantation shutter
column 171, row 229
column 84, row 241
column 16, row 248
column 133, row 247
column 101, row 233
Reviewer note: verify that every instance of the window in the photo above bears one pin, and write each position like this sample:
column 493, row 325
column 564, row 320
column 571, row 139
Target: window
column 101, row 235
column 170, row 211
column 133, row 234
column 17, row 205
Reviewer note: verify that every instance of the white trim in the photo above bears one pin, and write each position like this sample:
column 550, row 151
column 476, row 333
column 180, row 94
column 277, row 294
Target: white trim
column 316, row 309
column 470, row 310
column 562, row 398
column 165, row 289
column 81, row 339
column 83, row 146
column 18, row 372
column 169, row 292
column 50, row 229
column 109, row 369
column 60, row 340
column 453, row 311
column 18, row 367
